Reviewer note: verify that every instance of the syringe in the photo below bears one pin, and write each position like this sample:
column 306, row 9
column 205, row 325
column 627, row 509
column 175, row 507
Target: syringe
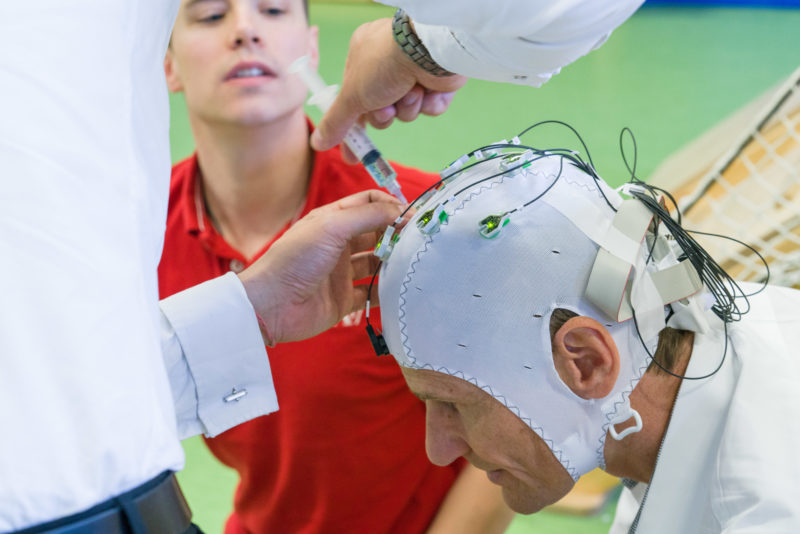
column 322, row 96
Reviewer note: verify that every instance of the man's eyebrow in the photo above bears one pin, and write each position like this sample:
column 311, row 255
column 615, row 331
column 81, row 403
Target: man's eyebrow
column 425, row 395
column 192, row 3
column 421, row 395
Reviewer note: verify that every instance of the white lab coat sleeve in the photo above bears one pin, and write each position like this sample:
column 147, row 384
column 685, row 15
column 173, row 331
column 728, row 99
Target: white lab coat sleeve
column 212, row 350
column 518, row 41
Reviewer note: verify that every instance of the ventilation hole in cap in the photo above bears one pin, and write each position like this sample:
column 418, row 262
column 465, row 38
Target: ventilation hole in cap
column 537, row 315
column 556, row 251
column 477, row 296
column 462, row 345
column 418, row 288
column 526, row 366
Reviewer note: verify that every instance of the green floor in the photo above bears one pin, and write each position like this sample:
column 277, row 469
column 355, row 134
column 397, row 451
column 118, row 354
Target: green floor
column 668, row 74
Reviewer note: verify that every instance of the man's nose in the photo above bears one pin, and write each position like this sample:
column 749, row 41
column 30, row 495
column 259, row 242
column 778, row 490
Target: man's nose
column 245, row 32
column 240, row 40
column 443, row 437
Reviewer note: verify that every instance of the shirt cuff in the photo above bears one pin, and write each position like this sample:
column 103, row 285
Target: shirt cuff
column 215, row 358
column 470, row 56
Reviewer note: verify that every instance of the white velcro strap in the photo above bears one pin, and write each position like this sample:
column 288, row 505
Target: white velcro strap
column 593, row 221
column 645, row 302
column 630, row 224
column 677, row 282
column 608, row 283
column 608, row 280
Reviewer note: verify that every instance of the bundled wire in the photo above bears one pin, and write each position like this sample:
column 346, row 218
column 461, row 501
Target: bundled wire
column 723, row 288
column 567, row 154
column 719, row 283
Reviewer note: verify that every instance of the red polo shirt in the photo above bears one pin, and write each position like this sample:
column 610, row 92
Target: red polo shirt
column 345, row 453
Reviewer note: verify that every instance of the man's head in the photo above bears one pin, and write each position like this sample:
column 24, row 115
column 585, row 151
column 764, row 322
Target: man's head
column 464, row 420
column 467, row 311
column 231, row 58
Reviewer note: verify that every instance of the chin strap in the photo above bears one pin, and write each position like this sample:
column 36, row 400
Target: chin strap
column 621, row 417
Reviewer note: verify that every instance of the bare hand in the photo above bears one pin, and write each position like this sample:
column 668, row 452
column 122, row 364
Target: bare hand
column 304, row 283
column 380, row 84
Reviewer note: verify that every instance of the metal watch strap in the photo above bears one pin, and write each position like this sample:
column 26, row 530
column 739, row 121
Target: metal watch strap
column 410, row 44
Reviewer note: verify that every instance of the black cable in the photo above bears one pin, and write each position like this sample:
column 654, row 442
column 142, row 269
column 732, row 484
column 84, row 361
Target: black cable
column 561, row 123
column 683, row 377
column 520, row 150
column 369, row 289
column 588, row 168
column 632, row 171
column 576, row 160
column 724, row 289
column 765, row 282
column 548, row 188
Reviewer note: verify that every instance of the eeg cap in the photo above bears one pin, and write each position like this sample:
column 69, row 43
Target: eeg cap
column 479, row 309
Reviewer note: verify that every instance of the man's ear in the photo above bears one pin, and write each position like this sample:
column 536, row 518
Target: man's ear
column 171, row 71
column 586, row 357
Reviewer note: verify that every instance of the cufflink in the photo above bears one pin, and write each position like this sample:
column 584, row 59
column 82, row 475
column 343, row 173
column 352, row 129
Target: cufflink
column 235, row 395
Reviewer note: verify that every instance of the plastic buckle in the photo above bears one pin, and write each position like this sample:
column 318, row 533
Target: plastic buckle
column 637, row 419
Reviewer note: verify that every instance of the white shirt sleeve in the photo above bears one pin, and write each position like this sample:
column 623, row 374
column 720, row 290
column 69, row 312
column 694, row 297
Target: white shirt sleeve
column 518, row 41
column 215, row 358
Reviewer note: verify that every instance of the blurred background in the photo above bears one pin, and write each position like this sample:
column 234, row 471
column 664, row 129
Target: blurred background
column 670, row 73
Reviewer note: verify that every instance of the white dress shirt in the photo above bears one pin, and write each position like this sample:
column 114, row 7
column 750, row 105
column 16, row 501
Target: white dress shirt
column 86, row 407
column 518, row 41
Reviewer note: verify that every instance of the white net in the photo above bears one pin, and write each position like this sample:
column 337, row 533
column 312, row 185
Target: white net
column 753, row 194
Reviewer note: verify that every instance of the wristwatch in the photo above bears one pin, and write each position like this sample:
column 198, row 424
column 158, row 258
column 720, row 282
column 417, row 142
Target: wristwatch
column 410, row 44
